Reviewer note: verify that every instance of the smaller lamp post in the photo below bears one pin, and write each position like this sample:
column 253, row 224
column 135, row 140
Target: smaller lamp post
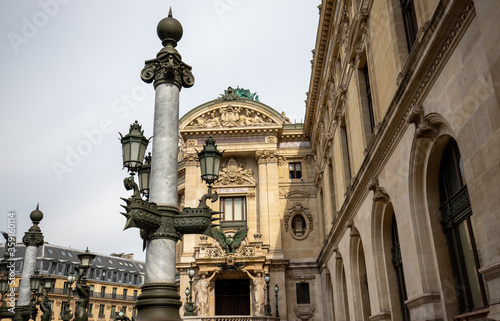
column 267, row 278
column 144, row 175
column 66, row 314
column 276, row 290
column 86, row 259
column 36, row 287
column 189, row 307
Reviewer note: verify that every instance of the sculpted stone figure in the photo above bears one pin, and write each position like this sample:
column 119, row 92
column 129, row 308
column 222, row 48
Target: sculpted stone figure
column 202, row 294
column 259, row 285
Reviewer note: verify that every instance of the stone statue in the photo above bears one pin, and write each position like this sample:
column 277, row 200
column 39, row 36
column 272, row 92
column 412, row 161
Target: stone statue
column 46, row 309
column 82, row 304
column 259, row 285
column 202, row 294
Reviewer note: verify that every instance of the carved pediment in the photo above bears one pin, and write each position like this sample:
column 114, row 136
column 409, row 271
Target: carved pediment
column 229, row 116
column 233, row 173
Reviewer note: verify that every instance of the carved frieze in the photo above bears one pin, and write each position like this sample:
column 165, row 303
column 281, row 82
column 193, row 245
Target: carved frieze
column 231, row 116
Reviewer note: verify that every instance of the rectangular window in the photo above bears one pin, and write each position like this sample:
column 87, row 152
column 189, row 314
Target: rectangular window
column 135, row 294
column 101, row 311
column 113, row 295
column 103, row 291
column 113, row 311
column 369, row 97
column 295, row 170
column 303, row 293
column 345, row 155
column 134, row 312
column 410, row 22
column 91, row 305
column 125, row 294
column 65, row 288
column 234, row 208
column 124, row 309
column 91, row 290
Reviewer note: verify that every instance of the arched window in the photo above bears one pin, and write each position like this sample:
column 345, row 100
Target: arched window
column 458, row 225
column 398, row 267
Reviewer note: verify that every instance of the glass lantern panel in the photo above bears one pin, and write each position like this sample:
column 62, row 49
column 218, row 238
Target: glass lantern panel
column 134, row 152
column 210, row 165
column 126, row 152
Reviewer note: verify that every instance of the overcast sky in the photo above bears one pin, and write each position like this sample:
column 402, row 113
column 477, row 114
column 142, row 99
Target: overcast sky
column 70, row 81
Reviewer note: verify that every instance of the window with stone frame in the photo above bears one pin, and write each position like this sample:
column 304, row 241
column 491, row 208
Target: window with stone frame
column 410, row 22
column 113, row 311
column 302, row 291
column 459, row 228
column 233, row 208
column 101, row 311
column 295, row 170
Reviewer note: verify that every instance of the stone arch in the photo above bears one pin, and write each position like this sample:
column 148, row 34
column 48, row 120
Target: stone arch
column 359, row 277
column 342, row 300
column 386, row 298
column 434, row 268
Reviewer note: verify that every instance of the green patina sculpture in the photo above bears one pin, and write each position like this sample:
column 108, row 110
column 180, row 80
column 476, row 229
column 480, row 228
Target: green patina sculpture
column 227, row 242
column 238, row 94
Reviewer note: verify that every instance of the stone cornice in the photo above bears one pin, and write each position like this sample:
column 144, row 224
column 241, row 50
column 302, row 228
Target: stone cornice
column 451, row 19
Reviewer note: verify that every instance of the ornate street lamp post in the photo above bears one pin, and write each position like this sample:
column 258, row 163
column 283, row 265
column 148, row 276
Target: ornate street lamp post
column 67, row 314
column 32, row 239
column 276, row 290
column 189, row 307
column 161, row 223
column 267, row 278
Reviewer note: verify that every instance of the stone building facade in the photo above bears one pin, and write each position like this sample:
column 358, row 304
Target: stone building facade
column 115, row 280
column 403, row 116
column 394, row 212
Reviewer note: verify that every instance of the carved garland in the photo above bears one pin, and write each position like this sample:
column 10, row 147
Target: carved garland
column 298, row 209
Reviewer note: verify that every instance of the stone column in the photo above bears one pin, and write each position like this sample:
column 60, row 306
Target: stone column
column 262, row 211
column 159, row 300
column 32, row 239
column 273, row 201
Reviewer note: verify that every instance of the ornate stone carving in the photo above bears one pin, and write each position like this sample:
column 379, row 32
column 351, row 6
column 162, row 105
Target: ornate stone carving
column 423, row 127
column 266, row 156
column 299, row 209
column 354, row 230
column 233, row 173
column 191, row 142
column 191, row 158
column 304, row 313
column 379, row 193
column 309, row 159
column 231, row 116
column 271, row 139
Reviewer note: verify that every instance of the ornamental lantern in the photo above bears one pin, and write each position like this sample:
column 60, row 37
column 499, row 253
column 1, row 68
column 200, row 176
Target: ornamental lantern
column 210, row 159
column 134, row 146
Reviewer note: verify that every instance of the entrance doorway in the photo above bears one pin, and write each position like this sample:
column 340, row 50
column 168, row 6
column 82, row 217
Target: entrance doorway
column 232, row 297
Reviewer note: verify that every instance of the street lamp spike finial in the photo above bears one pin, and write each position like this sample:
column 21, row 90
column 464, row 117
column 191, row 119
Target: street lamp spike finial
column 170, row 12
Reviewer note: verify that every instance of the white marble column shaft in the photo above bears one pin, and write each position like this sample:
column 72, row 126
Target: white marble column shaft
column 160, row 253
column 29, row 265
